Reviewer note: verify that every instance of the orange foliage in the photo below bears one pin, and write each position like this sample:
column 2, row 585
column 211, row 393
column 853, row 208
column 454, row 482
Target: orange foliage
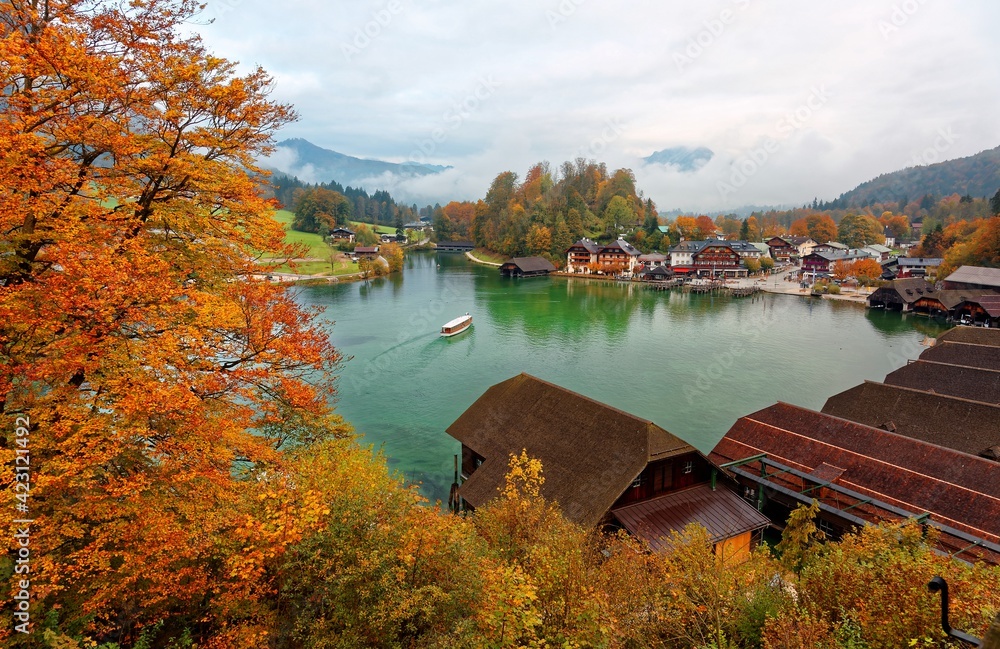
column 158, row 377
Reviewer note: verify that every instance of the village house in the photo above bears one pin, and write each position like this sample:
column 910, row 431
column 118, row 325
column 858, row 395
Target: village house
column 653, row 260
column 890, row 238
column 916, row 266
column 781, row 249
column 720, row 259
column 366, row 252
column 682, row 255
column 603, row 467
column 818, row 263
column 581, row 255
column 586, row 256
column 341, row 234
column 829, row 246
column 878, row 252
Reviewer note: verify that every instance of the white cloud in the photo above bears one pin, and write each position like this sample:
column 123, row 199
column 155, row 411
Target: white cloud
column 561, row 80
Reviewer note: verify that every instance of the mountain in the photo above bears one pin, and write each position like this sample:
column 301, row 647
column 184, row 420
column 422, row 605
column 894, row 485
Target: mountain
column 311, row 163
column 683, row 158
column 977, row 175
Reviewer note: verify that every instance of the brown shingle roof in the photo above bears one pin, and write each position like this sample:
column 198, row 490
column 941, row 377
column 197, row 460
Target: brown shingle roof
column 953, row 380
column 531, row 264
column 972, row 335
column 590, row 452
column 723, row 513
column 909, row 289
column 977, row 275
column 961, row 424
column 958, row 489
column 970, row 355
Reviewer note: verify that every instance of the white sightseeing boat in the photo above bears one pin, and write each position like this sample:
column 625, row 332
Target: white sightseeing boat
column 457, row 326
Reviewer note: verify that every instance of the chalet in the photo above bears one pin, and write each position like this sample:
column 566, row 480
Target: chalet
column 782, row 249
column 890, row 238
column 784, row 456
column 366, row 252
column 877, row 252
column 829, row 246
column 420, row 226
column 585, row 256
column 900, row 294
column 393, row 238
column 720, row 259
column 653, row 260
column 602, row 466
column 802, row 245
column 581, row 255
column 762, row 248
column 682, row 255
column 973, row 277
column 455, row 246
column 940, row 419
column 526, row 267
column 745, row 249
column 341, row 234
column 617, row 256
column 823, row 262
column 916, row 266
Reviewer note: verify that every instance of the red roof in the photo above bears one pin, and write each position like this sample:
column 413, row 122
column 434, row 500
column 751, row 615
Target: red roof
column 957, row 489
column 723, row 513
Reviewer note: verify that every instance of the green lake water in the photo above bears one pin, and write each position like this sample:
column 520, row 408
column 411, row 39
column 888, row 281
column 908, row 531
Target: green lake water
column 693, row 364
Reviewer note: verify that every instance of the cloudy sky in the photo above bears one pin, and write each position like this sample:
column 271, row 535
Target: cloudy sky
column 797, row 99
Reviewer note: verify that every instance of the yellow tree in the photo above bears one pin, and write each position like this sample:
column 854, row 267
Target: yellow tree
column 159, row 380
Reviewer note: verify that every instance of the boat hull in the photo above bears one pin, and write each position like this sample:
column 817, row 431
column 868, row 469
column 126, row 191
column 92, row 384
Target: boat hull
column 456, row 327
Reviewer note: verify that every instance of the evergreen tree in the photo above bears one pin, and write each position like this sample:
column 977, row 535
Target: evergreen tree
column 995, row 204
column 745, row 231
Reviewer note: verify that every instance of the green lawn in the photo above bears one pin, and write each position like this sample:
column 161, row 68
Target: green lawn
column 379, row 229
column 314, row 242
column 489, row 255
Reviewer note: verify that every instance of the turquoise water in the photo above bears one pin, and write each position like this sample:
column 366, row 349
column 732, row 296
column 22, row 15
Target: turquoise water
column 693, row 364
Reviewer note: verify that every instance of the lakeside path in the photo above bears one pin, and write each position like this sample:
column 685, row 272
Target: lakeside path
column 481, row 261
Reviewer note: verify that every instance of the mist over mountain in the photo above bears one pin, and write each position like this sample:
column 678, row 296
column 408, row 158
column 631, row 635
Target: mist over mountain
column 683, row 158
column 311, row 163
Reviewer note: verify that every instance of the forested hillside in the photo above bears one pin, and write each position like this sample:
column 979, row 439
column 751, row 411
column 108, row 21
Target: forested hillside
column 977, row 176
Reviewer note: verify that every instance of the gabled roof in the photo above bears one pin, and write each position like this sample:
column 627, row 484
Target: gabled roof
column 344, row 230
column 798, row 241
column 587, row 245
column 989, row 303
column 976, row 275
column 957, row 489
column 952, row 298
column 971, row 335
column 920, row 262
column 366, row 249
column 834, row 244
column 956, row 353
column 622, row 245
column 653, row 256
column 879, row 248
column 531, row 264
column 722, row 512
column 590, row 452
column 690, row 246
column 972, row 383
column 953, row 422
column 838, row 256
column 909, row 289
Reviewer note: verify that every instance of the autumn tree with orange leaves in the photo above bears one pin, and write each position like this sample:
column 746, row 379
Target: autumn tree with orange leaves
column 160, row 382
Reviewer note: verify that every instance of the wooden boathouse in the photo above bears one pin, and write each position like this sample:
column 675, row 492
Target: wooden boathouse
column 526, row 267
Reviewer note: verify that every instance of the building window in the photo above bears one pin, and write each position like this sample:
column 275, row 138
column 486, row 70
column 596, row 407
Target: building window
column 825, row 527
column 749, row 493
column 636, row 483
column 479, row 462
column 688, row 466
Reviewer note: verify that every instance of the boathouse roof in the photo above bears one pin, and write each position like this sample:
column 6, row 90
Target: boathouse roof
column 909, row 289
column 975, row 275
column 955, row 488
column 590, row 452
column 955, row 353
column 954, row 422
column 972, row 383
column 972, row 335
column 530, row 264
